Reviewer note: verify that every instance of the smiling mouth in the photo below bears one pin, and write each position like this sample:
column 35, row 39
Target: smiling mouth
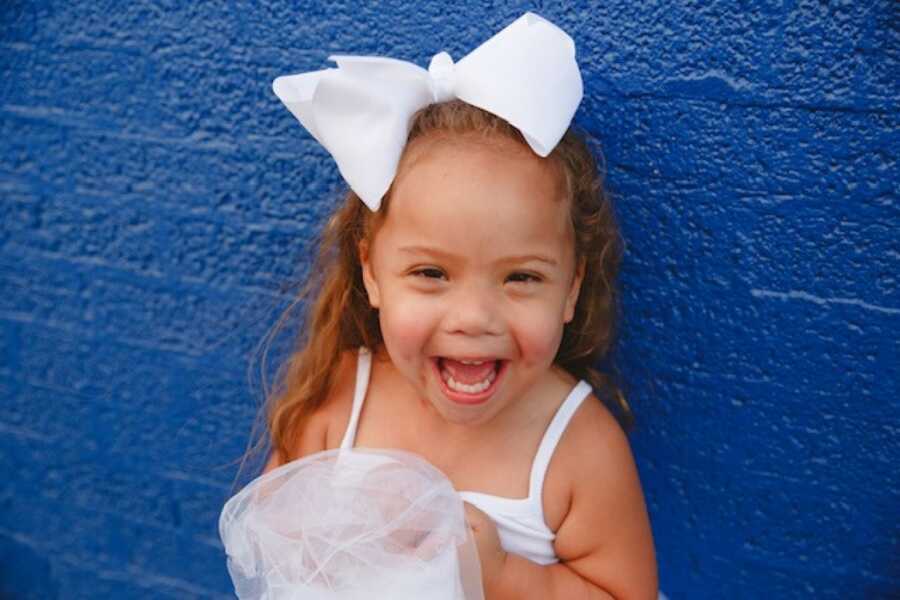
column 469, row 381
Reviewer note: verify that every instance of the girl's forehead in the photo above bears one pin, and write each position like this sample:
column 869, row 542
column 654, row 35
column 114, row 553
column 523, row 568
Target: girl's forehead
column 441, row 150
column 481, row 198
column 452, row 166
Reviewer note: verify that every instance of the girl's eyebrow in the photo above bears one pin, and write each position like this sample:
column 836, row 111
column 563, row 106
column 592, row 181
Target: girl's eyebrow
column 447, row 255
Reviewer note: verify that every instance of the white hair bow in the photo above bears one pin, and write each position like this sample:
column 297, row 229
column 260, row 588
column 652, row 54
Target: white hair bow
column 361, row 112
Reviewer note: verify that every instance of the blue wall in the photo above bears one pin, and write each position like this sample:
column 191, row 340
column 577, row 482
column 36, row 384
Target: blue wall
column 155, row 195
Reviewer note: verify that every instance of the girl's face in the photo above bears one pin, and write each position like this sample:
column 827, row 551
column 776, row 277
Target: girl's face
column 474, row 262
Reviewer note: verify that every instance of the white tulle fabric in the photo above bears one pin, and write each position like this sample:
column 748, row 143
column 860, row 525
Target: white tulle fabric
column 351, row 525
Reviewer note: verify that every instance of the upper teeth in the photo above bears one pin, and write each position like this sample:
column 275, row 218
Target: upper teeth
column 471, row 362
column 474, row 388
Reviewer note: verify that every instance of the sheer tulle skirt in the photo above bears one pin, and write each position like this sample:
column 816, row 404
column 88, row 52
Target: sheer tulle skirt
column 351, row 525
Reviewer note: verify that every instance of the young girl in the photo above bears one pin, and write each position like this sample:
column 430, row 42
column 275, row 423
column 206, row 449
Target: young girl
column 459, row 315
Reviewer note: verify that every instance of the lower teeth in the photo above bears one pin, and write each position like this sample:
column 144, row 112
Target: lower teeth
column 474, row 388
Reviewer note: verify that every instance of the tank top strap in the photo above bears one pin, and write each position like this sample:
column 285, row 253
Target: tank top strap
column 363, row 369
column 552, row 436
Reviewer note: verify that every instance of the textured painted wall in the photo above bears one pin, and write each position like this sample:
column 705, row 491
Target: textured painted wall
column 155, row 195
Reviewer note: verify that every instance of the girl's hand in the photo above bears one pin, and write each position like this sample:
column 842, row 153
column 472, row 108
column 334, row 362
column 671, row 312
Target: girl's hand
column 490, row 552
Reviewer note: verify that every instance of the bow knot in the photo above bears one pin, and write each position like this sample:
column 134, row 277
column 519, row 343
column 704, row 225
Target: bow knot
column 442, row 72
column 361, row 112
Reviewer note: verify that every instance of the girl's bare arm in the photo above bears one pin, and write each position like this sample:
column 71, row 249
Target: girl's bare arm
column 604, row 543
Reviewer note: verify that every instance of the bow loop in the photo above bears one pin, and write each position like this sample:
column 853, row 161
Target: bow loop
column 443, row 77
column 361, row 112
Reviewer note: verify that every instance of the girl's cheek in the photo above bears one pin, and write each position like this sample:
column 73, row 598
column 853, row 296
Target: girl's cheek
column 540, row 337
column 407, row 322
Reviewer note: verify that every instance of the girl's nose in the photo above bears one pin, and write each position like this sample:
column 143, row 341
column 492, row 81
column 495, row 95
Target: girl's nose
column 473, row 312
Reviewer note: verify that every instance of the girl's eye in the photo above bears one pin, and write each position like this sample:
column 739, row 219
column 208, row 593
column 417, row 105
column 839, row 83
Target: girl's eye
column 429, row 273
column 435, row 273
column 524, row 278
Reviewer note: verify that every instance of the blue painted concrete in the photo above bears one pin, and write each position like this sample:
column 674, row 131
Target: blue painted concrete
column 154, row 195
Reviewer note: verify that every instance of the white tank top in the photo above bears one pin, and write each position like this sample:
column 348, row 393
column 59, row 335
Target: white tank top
column 520, row 521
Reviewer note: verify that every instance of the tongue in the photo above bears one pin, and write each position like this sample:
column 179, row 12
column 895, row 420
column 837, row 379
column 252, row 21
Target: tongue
column 469, row 374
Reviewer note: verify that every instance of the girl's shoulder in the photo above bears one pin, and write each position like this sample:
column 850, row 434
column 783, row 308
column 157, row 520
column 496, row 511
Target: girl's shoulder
column 592, row 434
column 591, row 425
column 334, row 413
column 325, row 427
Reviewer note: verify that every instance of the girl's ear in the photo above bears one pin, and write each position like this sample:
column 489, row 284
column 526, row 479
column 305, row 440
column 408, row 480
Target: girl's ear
column 367, row 275
column 572, row 296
